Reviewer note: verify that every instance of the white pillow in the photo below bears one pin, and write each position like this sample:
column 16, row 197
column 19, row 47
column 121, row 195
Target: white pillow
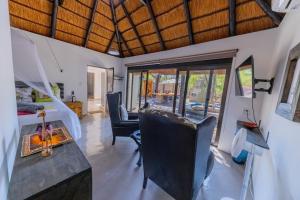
column 24, row 94
column 124, row 113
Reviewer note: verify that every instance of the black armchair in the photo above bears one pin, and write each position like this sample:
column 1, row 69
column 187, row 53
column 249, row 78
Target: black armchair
column 176, row 152
column 122, row 128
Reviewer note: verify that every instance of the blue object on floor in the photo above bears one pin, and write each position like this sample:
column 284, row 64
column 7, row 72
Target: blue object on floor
column 238, row 152
column 241, row 159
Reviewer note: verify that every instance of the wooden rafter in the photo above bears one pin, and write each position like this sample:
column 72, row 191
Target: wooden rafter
column 133, row 27
column 232, row 17
column 188, row 21
column 110, row 42
column 91, row 22
column 153, row 19
column 78, row 26
column 267, row 9
column 53, row 18
column 128, row 49
column 116, row 28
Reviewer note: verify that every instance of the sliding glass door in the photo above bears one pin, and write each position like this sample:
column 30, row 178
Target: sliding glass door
column 205, row 96
column 194, row 92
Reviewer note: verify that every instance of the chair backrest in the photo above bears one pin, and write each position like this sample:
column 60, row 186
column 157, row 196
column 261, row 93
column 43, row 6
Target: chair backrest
column 114, row 101
column 205, row 130
column 169, row 146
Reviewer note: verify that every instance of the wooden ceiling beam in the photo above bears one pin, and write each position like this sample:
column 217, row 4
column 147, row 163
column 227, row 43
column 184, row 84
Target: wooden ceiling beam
column 154, row 22
column 128, row 49
column 267, row 9
column 116, row 28
column 110, row 42
column 133, row 11
column 87, row 35
column 53, row 18
column 188, row 21
column 133, row 27
column 232, row 17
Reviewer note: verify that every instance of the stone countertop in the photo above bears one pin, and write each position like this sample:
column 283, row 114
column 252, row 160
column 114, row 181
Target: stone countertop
column 35, row 174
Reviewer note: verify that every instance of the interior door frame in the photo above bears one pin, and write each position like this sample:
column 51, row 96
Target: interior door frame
column 113, row 74
column 106, row 76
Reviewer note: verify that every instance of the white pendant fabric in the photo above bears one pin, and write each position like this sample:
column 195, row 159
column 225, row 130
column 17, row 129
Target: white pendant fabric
column 29, row 69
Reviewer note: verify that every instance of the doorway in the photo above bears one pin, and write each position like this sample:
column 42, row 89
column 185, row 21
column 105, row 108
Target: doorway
column 99, row 83
column 192, row 90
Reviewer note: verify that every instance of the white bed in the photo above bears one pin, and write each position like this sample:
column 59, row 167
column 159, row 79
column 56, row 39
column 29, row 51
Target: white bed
column 51, row 115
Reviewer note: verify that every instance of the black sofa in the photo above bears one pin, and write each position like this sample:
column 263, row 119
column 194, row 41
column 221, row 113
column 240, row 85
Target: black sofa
column 176, row 152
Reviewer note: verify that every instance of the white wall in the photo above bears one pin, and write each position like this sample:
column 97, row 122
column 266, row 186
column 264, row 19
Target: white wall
column 74, row 61
column 9, row 133
column 276, row 174
column 259, row 44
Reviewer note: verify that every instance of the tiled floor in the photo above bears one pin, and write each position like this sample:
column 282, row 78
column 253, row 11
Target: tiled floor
column 94, row 105
column 116, row 176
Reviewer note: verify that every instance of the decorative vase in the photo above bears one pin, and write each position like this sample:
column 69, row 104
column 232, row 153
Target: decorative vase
column 46, row 137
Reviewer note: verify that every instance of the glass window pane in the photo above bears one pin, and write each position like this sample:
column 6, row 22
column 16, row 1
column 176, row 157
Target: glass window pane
column 133, row 91
column 215, row 100
column 129, row 90
column 161, row 88
column 196, row 95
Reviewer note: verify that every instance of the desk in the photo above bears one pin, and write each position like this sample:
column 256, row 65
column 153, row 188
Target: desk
column 254, row 135
column 64, row 175
column 255, row 144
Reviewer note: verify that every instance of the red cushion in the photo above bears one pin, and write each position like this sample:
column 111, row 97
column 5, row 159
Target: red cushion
column 24, row 113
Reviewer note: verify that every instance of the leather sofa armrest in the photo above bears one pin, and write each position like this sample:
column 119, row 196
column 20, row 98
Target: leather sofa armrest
column 128, row 123
column 132, row 116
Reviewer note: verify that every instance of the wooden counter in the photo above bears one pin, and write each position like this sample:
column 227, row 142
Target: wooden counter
column 65, row 175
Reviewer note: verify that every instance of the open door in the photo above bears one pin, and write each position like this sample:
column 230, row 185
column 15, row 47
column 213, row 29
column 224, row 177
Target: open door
column 99, row 83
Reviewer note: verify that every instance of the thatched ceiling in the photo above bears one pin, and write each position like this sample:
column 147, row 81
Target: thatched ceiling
column 137, row 27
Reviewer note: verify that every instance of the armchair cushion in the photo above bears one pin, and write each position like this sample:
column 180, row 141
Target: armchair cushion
column 124, row 113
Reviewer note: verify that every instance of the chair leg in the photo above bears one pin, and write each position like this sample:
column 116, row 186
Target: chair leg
column 139, row 162
column 145, row 182
column 114, row 140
